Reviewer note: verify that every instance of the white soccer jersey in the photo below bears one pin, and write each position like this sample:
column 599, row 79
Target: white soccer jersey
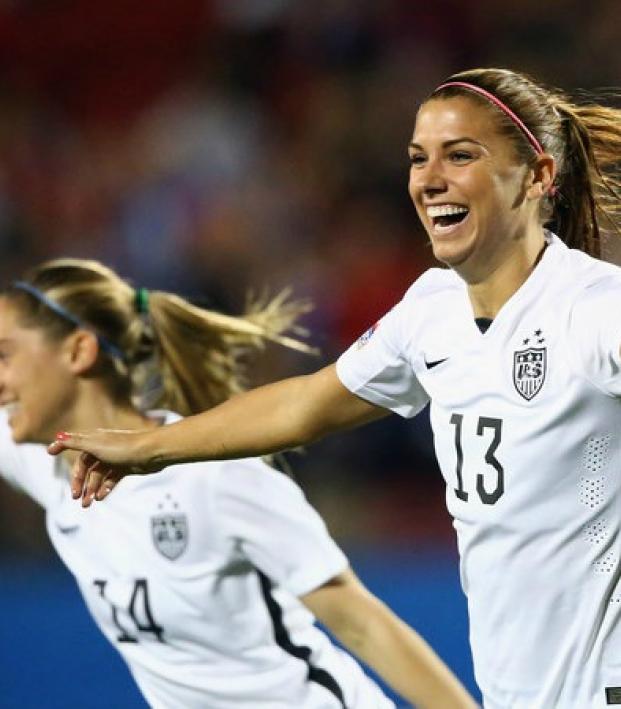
column 527, row 428
column 193, row 575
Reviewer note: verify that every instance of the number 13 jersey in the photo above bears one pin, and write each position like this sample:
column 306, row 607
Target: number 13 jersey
column 527, row 429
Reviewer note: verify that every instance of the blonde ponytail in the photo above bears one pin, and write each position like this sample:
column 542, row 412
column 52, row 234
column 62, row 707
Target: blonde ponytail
column 202, row 352
column 156, row 348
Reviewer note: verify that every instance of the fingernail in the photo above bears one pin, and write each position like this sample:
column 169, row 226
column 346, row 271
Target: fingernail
column 62, row 436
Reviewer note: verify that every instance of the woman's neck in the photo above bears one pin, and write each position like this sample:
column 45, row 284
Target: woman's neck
column 488, row 295
column 96, row 408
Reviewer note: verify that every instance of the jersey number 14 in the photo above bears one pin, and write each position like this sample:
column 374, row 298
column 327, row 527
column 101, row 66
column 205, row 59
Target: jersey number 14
column 138, row 609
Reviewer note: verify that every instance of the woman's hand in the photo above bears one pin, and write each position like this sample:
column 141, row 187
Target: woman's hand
column 105, row 457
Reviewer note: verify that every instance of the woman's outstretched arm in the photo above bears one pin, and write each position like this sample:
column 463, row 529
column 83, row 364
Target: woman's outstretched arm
column 271, row 418
column 399, row 655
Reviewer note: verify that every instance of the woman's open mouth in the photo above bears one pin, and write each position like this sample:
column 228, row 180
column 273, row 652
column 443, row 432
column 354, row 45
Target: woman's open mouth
column 445, row 218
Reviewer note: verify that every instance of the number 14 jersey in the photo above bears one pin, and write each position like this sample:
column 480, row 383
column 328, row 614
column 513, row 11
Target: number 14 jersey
column 195, row 574
column 527, row 428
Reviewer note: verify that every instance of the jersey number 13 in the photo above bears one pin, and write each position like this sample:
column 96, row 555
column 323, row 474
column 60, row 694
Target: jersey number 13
column 488, row 491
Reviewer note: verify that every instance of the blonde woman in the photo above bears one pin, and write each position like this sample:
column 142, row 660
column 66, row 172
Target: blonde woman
column 208, row 578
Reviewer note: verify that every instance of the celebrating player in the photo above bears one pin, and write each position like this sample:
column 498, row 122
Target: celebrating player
column 517, row 345
column 195, row 576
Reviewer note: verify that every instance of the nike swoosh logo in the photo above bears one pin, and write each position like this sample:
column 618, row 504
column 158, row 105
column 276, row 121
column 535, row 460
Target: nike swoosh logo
column 434, row 363
column 68, row 530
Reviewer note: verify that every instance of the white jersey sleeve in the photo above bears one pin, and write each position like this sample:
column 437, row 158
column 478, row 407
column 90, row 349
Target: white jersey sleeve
column 264, row 512
column 27, row 467
column 379, row 367
column 595, row 334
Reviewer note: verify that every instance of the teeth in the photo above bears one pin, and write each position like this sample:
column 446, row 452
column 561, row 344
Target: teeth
column 444, row 210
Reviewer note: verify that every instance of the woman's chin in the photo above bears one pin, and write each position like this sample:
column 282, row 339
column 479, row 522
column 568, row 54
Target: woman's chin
column 18, row 436
column 452, row 255
column 21, row 434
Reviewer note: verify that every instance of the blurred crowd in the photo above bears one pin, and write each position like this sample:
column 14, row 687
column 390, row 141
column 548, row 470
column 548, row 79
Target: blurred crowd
column 217, row 147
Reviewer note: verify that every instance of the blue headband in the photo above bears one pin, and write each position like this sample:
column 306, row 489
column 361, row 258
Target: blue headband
column 104, row 343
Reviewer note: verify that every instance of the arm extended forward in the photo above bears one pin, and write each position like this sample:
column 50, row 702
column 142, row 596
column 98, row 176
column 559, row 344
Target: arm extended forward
column 271, row 418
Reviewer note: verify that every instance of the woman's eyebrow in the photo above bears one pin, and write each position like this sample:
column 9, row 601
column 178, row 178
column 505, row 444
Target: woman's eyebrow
column 449, row 143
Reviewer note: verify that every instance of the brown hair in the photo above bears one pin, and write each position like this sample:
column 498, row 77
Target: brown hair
column 177, row 356
column 583, row 136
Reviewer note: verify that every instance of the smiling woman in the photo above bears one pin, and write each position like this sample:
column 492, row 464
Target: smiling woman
column 514, row 347
column 471, row 192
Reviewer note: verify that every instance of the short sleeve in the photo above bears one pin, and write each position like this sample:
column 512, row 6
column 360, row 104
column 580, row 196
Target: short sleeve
column 27, row 467
column 377, row 367
column 595, row 335
column 266, row 513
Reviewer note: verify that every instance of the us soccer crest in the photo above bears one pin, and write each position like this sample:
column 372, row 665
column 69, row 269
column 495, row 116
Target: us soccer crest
column 529, row 371
column 169, row 532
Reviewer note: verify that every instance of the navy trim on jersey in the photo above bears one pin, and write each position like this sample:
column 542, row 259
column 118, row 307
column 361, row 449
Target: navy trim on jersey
column 283, row 640
column 483, row 324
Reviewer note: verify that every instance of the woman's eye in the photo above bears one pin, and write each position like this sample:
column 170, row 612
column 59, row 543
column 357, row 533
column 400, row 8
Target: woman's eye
column 460, row 156
column 417, row 159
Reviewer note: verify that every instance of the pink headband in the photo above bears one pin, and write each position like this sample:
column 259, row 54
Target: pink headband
column 536, row 145
column 498, row 103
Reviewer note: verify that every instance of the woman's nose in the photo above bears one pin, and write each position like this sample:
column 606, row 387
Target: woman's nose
column 429, row 179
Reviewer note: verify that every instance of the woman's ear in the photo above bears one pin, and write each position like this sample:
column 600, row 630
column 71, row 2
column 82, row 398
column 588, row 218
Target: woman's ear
column 541, row 176
column 82, row 351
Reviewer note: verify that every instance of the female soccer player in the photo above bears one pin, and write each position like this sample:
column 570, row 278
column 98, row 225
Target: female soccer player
column 517, row 345
column 207, row 578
